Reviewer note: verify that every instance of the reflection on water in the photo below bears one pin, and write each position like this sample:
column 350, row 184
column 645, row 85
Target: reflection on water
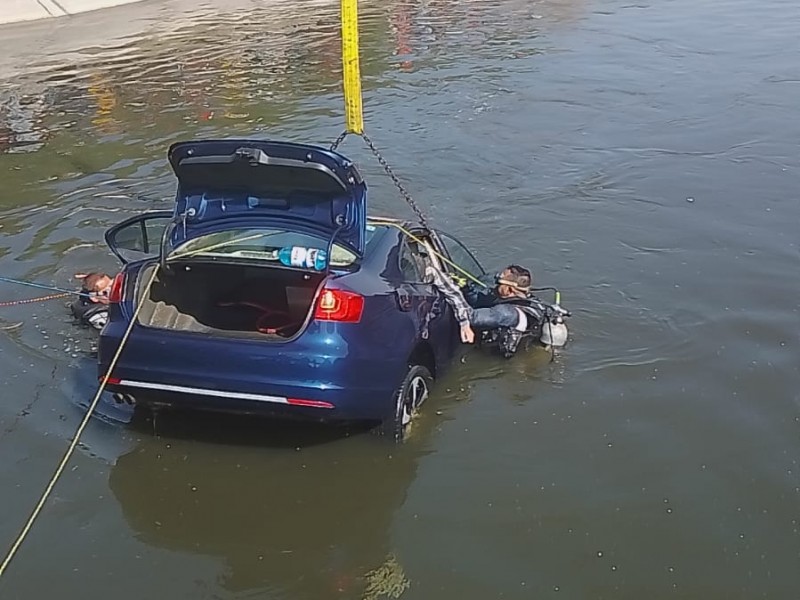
column 21, row 123
column 179, row 81
column 641, row 157
column 303, row 513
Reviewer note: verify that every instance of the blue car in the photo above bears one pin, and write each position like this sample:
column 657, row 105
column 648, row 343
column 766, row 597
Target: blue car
column 269, row 290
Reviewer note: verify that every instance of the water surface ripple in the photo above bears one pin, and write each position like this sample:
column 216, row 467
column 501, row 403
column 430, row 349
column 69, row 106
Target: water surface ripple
column 640, row 155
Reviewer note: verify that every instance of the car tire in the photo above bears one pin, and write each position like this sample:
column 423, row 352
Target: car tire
column 408, row 398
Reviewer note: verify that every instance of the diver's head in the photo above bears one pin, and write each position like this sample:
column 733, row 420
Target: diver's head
column 514, row 282
column 97, row 284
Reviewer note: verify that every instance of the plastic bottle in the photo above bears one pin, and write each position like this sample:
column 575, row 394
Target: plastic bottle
column 300, row 256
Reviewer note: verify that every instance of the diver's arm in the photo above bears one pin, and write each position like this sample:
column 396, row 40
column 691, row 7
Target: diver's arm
column 455, row 299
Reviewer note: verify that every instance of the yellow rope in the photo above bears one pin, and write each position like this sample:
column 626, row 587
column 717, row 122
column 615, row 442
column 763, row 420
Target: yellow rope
column 376, row 220
column 71, row 449
column 406, row 232
column 93, row 405
column 391, row 223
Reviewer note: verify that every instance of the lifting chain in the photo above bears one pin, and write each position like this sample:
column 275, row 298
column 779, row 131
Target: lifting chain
column 398, row 184
column 338, row 141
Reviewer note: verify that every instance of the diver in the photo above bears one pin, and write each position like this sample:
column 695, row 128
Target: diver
column 91, row 306
column 502, row 309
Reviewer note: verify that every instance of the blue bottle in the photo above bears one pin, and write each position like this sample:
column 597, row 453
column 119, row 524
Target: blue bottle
column 305, row 258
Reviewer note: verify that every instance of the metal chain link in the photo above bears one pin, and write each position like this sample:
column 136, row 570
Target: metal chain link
column 406, row 196
column 339, row 140
column 398, row 184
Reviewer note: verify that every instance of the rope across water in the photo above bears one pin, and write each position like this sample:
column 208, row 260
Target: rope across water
column 74, row 443
column 37, row 299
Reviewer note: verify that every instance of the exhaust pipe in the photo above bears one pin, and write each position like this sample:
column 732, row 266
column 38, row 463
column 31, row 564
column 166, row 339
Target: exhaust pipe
column 122, row 398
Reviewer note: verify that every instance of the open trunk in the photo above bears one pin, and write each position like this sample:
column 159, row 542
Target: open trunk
column 230, row 300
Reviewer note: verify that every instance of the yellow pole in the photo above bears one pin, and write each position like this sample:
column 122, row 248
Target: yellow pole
column 354, row 115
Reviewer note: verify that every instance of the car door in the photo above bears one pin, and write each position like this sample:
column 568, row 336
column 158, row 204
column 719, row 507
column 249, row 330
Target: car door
column 461, row 265
column 139, row 237
column 433, row 316
column 414, row 295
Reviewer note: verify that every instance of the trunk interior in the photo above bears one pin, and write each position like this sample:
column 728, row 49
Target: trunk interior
column 231, row 300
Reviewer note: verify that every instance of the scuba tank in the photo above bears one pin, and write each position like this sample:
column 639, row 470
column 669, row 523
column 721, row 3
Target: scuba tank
column 554, row 330
column 545, row 325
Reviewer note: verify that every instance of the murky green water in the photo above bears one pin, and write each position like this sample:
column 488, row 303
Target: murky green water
column 642, row 156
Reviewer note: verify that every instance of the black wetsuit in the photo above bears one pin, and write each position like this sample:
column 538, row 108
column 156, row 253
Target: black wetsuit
column 504, row 322
column 498, row 323
column 91, row 314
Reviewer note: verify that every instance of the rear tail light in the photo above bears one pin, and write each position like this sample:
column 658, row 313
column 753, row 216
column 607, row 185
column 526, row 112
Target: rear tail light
column 115, row 295
column 339, row 306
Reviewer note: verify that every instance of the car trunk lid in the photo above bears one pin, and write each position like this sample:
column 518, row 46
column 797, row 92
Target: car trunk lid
column 223, row 183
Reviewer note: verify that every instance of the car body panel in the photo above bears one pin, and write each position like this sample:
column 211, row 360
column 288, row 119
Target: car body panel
column 354, row 367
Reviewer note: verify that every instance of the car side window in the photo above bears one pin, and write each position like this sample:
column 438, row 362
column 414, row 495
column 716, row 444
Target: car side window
column 414, row 260
column 460, row 255
column 138, row 237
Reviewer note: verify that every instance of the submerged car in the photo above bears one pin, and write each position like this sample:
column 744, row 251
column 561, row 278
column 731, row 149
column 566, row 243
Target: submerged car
column 268, row 289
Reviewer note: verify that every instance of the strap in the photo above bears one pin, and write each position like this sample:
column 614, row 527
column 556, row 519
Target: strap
column 516, row 286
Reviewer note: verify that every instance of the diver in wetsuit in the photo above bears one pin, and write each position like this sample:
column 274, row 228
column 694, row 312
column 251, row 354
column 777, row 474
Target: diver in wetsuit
column 91, row 307
column 500, row 310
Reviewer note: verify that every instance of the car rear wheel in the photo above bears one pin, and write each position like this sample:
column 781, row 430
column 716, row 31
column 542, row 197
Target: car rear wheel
column 409, row 397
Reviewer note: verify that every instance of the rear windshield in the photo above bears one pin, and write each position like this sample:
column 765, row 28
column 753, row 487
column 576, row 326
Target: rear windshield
column 262, row 245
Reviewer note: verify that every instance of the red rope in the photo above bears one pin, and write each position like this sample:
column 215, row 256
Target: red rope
column 39, row 299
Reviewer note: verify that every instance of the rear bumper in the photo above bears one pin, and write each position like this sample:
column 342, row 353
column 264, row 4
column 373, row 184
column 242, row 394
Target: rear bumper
column 320, row 375
column 153, row 396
